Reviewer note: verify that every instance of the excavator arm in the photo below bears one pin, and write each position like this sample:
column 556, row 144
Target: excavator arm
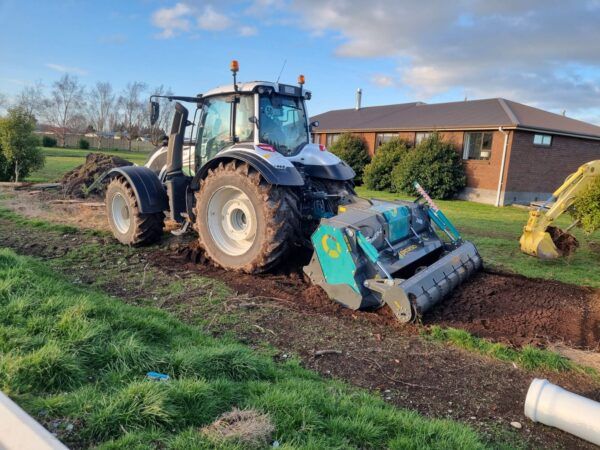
column 536, row 240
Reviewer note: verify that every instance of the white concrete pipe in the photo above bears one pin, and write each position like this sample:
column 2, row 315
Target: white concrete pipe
column 557, row 407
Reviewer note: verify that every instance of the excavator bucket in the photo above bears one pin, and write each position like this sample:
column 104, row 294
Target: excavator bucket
column 537, row 242
column 376, row 253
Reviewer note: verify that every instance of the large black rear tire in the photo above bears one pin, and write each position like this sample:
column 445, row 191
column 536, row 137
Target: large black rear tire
column 127, row 223
column 245, row 223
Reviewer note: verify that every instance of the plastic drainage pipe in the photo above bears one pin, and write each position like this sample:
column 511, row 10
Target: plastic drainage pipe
column 557, row 407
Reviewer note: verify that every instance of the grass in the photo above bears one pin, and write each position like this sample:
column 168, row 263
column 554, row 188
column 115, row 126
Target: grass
column 61, row 160
column 77, row 359
column 496, row 231
column 528, row 357
column 39, row 224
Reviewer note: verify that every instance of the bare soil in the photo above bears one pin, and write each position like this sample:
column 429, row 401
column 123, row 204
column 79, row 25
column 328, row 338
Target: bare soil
column 367, row 349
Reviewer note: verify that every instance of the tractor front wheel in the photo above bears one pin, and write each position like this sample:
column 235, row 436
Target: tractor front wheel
column 127, row 223
column 245, row 223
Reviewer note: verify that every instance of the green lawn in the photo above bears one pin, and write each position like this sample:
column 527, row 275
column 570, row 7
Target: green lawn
column 496, row 232
column 78, row 359
column 61, row 160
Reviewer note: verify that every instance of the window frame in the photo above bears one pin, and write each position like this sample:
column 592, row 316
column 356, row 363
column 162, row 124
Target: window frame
column 391, row 135
column 330, row 138
column 543, row 137
column 424, row 134
column 467, row 143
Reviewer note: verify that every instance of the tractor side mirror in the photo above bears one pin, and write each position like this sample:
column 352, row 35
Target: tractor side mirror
column 253, row 120
column 154, row 110
column 314, row 124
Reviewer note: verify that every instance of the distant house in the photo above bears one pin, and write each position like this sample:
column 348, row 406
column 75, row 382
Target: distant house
column 512, row 153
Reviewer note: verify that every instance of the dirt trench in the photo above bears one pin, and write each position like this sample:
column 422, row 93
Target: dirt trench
column 505, row 308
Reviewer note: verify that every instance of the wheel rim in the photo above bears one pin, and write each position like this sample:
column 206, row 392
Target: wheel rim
column 231, row 220
column 120, row 213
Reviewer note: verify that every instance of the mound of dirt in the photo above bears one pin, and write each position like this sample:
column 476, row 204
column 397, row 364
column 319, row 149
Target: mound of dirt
column 77, row 182
column 248, row 427
column 518, row 310
column 565, row 242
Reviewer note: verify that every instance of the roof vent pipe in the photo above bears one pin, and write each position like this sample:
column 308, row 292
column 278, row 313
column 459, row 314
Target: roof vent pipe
column 358, row 98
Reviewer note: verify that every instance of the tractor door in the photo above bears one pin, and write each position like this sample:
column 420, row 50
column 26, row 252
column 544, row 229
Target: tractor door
column 215, row 127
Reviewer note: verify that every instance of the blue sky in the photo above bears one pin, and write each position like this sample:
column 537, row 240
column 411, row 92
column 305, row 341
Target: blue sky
column 541, row 52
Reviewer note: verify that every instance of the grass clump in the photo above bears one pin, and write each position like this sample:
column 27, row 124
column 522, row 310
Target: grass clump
column 528, row 357
column 77, row 356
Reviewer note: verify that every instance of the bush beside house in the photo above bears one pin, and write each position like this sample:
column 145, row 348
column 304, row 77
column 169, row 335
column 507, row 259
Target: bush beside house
column 435, row 164
column 586, row 208
column 378, row 174
column 353, row 150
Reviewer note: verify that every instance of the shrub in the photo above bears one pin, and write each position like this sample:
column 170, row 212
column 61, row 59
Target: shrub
column 84, row 144
column 353, row 150
column 19, row 145
column 48, row 141
column 586, row 208
column 378, row 174
column 435, row 164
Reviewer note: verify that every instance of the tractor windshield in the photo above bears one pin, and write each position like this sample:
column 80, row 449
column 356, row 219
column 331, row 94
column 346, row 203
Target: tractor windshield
column 282, row 123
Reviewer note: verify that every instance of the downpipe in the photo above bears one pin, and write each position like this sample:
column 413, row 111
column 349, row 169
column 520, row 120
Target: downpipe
column 502, row 164
column 554, row 406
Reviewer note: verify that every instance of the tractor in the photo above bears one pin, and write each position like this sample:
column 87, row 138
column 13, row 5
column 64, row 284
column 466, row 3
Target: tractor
column 254, row 187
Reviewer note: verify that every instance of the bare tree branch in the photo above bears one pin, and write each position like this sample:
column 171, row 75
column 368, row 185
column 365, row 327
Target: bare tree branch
column 132, row 109
column 31, row 99
column 65, row 103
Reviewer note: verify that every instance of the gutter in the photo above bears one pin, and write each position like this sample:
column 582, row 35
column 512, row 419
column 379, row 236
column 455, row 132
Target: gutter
column 502, row 164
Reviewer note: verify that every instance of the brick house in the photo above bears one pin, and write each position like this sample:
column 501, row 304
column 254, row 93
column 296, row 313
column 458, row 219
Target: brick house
column 512, row 153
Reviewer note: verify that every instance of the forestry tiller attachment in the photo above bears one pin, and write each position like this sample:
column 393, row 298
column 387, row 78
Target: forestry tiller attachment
column 376, row 253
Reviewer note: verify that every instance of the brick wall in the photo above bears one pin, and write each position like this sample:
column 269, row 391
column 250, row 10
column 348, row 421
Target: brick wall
column 543, row 169
column 480, row 174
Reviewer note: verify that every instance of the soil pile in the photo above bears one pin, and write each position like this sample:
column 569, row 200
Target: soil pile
column 80, row 181
column 565, row 242
column 518, row 310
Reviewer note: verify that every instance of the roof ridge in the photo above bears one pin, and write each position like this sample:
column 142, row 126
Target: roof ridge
column 509, row 112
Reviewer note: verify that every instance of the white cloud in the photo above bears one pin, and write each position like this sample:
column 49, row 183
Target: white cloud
column 383, row 80
column 248, row 31
column 212, row 20
column 66, row 69
column 534, row 51
column 172, row 20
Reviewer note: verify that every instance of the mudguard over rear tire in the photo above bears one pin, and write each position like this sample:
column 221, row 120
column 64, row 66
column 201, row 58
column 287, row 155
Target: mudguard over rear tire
column 128, row 224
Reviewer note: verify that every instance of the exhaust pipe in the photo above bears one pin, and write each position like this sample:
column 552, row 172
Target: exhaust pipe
column 176, row 181
column 554, row 406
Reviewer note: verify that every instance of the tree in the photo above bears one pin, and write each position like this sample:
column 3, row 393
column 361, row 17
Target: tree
column 132, row 109
column 353, row 150
column 18, row 145
column 586, row 209
column 102, row 103
column 163, row 124
column 3, row 100
column 65, row 103
column 31, row 99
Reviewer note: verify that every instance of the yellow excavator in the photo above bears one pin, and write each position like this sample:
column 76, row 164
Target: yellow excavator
column 540, row 238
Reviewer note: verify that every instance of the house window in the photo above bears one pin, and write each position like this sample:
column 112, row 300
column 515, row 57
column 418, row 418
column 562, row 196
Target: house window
column 382, row 138
column 545, row 140
column 478, row 145
column 331, row 138
column 421, row 136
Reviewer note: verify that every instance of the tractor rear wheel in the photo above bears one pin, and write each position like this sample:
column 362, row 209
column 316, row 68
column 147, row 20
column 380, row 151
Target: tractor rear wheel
column 245, row 223
column 127, row 223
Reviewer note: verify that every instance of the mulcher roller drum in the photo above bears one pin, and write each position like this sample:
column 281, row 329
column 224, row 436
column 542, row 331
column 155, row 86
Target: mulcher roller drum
column 407, row 255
